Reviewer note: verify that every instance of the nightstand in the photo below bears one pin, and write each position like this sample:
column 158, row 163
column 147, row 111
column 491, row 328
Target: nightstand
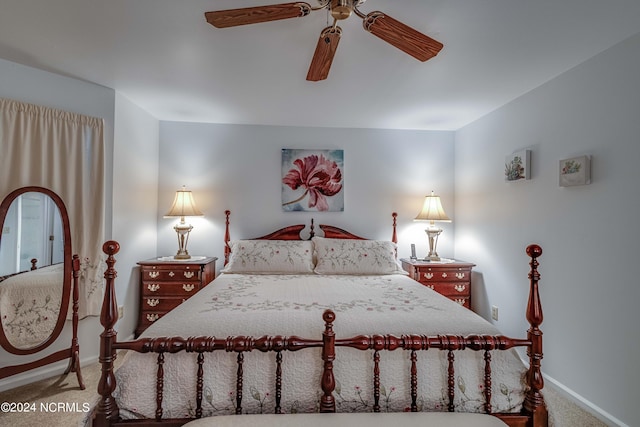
column 449, row 278
column 165, row 283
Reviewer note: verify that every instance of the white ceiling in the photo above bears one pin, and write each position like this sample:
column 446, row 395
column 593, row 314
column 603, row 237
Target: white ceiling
column 164, row 57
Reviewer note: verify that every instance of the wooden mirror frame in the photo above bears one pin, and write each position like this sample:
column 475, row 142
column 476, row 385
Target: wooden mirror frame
column 66, row 284
column 71, row 271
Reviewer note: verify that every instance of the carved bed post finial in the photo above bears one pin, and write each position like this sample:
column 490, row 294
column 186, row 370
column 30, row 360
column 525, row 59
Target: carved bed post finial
column 227, row 237
column 107, row 409
column 328, row 383
column 534, row 402
column 311, row 230
column 394, row 235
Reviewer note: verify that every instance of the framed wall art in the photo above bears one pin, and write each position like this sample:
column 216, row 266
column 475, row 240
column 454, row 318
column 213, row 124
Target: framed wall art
column 575, row 171
column 517, row 166
column 312, row 180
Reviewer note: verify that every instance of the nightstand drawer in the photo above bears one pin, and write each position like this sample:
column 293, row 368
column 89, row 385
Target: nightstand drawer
column 465, row 302
column 433, row 274
column 188, row 273
column 161, row 304
column 450, row 289
column 169, row 289
column 147, row 319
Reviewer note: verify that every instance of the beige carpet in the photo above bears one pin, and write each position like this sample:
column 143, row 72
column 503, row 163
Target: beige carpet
column 52, row 402
column 64, row 390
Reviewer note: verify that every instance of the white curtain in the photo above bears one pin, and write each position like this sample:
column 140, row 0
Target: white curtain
column 64, row 152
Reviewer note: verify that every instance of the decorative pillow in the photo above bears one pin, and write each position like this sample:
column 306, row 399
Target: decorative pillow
column 270, row 257
column 349, row 256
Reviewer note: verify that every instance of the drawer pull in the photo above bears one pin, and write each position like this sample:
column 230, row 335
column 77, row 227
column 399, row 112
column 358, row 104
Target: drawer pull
column 171, row 274
column 431, row 287
column 460, row 288
column 152, row 317
column 459, row 300
column 428, row 276
column 189, row 274
column 151, row 302
column 444, row 275
column 460, row 275
column 154, row 274
column 153, row 287
column 187, row 287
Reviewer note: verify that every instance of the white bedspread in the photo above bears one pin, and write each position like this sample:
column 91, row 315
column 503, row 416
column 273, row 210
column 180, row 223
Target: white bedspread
column 293, row 305
column 29, row 304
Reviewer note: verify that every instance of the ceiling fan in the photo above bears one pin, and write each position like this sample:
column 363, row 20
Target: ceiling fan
column 394, row 32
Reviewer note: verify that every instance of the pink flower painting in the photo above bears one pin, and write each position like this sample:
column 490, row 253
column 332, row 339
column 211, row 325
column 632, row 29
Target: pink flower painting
column 312, row 180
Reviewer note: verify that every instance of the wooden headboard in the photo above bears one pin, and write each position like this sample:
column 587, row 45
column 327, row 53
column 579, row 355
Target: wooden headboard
column 292, row 232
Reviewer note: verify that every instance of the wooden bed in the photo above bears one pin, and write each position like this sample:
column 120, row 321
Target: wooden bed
column 330, row 350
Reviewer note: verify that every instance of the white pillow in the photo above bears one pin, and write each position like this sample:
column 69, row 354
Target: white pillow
column 350, row 256
column 270, row 257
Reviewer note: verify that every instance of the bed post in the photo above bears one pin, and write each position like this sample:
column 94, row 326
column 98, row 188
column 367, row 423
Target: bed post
column 534, row 402
column 394, row 235
column 227, row 237
column 107, row 409
column 328, row 382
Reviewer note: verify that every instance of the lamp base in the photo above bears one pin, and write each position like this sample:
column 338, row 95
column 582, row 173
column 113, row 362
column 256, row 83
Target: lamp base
column 182, row 229
column 182, row 256
column 432, row 234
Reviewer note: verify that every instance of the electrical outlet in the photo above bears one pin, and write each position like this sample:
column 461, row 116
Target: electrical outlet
column 120, row 312
column 494, row 312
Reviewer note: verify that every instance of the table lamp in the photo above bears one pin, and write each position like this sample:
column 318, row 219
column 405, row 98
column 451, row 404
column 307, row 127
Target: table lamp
column 183, row 205
column 432, row 211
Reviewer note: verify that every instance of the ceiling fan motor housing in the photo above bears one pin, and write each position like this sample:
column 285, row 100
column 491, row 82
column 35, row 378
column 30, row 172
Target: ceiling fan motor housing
column 341, row 9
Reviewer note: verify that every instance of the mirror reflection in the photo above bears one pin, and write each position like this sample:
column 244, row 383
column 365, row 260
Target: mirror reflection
column 31, row 269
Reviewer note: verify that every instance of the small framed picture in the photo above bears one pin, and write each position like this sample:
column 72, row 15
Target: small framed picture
column 575, row 171
column 517, row 166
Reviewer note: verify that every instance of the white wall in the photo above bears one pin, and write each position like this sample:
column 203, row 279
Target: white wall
column 589, row 234
column 237, row 167
column 42, row 88
column 135, row 203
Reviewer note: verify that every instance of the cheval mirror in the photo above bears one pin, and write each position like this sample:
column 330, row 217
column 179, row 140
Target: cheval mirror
column 38, row 279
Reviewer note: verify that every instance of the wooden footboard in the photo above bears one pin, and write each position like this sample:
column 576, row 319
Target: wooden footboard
column 107, row 411
column 533, row 414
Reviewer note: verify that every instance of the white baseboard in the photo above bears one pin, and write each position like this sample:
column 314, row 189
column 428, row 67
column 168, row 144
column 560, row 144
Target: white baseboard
column 595, row 410
column 579, row 400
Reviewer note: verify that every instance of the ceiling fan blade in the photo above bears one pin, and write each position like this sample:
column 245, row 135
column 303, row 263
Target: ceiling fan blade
column 402, row 36
column 323, row 56
column 254, row 15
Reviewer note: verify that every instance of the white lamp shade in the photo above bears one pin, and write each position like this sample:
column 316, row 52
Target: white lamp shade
column 183, row 205
column 432, row 210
